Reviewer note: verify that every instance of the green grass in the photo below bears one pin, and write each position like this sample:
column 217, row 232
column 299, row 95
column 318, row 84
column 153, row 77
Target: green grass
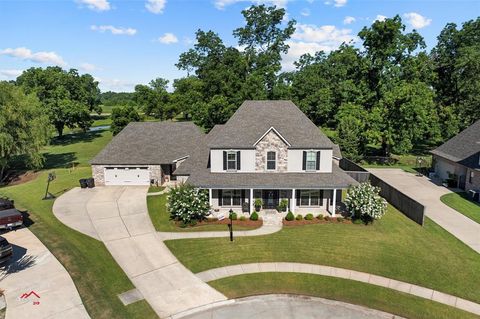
column 155, row 189
column 371, row 296
column 101, row 120
column 406, row 162
column 461, row 204
column 393, row 247
column 161, row 218
column 97, row 276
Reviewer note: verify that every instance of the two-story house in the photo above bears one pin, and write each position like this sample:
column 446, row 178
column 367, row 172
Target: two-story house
column 268, row 150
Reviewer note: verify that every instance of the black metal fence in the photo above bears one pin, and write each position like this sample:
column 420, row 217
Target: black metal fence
column 404, row 203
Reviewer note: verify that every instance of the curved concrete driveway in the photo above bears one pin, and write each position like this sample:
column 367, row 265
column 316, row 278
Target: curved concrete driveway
column 118, row 216
column 428, row 194
column 288, row 306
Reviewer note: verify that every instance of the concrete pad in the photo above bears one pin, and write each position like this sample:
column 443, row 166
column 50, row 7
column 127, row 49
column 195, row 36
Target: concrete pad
column 111, row 228
column 379, row 281
column 250, row 268
column 341, row 273
column 421, row 292
column 444, row 298
column 284, row 267
column 138, row 224
column 359, row 276
column 101, row 210
column 468, row 306
column 234, row 270
column 219, row 273
column 267, row 267
column 131, row 296
column 207, row 276
column 325, row 270
column 399, row 286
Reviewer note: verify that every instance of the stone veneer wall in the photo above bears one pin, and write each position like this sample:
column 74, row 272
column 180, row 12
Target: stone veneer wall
column 98, row 173
column 475, row 184
column 271, row 142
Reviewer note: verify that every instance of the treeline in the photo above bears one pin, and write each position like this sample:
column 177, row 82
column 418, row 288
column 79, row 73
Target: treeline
column 385, row 94
column 110, row 98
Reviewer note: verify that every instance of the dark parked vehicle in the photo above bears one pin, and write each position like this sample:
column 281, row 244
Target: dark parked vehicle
column 6, row 204
column 6, row 250
column 10, row 218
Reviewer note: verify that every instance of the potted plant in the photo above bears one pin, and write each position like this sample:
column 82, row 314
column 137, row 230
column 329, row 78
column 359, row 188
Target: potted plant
column 282, row 207
column 258, row 203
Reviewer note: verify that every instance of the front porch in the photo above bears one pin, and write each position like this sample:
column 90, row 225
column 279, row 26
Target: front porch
column 298, row 201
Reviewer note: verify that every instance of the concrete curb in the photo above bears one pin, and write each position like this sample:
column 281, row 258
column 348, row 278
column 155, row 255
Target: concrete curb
column 427, row 293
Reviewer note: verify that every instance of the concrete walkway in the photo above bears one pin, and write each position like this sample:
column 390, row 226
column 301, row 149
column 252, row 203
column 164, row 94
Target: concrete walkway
column 287, row 306
column 118, row 216
column 223, row 272
column 428, row 194
column 34, row 269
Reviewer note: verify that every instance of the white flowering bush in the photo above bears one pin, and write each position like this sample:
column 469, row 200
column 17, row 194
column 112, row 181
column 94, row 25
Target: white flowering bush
column 364, row 202
column 188, row 204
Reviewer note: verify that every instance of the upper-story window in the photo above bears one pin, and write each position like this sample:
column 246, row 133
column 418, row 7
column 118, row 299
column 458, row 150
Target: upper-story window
column 311, row 161
column 231, row 160
column 271, row 161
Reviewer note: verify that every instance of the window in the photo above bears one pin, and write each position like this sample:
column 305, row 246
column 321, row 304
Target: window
column 231, row 197
column 231, row 161
column 313, row 197
column 271, row 161
column 311, row 161
column 472, row 175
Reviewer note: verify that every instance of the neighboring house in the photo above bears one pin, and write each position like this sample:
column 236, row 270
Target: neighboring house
column 459, row 158
column 145, row 153
column 268, row 150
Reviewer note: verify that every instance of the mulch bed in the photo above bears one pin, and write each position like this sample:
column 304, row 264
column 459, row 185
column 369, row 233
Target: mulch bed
column 314, row 221
column 226, row 221
column 17, row 178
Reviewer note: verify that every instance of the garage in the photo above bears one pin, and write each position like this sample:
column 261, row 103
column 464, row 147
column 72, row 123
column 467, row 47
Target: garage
column 127, row 176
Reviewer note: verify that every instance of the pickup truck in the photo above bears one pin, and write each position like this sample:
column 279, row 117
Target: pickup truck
column 6, row 250
column 9, row 216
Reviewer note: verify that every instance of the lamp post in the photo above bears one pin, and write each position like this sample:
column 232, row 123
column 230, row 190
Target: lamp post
column 230, row 226
column 51, row 177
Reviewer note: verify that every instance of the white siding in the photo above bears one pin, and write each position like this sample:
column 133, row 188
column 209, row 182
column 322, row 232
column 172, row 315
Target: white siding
column 247, row 160
column 295, row 161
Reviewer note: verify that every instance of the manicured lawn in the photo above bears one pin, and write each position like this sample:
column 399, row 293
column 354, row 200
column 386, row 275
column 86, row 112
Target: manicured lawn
column 406, row 162
column 461, row 204
column 97, row 276
column 155, row 189
column 101, row 120
column 161, row 218
column 393, row 247
column 371, row 296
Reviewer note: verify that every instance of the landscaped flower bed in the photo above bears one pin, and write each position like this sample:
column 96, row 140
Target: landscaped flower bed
column 242, row 223
column 316, row 220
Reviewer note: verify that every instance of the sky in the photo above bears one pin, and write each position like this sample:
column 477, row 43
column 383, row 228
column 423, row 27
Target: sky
column 128, row 42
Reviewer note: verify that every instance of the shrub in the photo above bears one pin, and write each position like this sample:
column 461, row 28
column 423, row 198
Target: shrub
column 282, row 207
column 320, row 217
column 187, row 203
column 340, row 219
column 243, row 218
column 289, row 216
column 234, row 216
column 299, row 217
column 327, row 218
column 254, row 216
column 364, row 202
column 309, row 217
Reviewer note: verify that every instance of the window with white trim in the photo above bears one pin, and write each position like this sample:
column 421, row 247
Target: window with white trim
column 231, row 197
column 231, row 160
column 472, row 175
column 271, row 161
column 310, row 197
column 311, row 163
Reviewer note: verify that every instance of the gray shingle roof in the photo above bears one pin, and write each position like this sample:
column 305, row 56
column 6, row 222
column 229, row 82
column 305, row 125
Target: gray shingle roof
column 464, row 148
column 151, row 143
column 254, row 118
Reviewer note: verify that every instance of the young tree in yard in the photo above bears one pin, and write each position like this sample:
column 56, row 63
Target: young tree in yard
column 351, row 131
column 67, row 97
column 121, row 116
column 188, row 204
column 364, row 202
column 24, row 127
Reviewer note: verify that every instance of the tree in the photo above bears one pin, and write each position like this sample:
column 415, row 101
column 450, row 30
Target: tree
column 121, row 116
column 24, row 127
column 188, row 204
column 110, row 98
column 351, row 131
column 67, row 97
column 154, row 99
column 364, row 202
column 187, row 92
column 216, row 111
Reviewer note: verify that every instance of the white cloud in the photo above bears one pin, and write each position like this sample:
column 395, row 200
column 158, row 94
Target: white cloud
column 305, row 12
column 168, row 38
column 380, row 18
column 114, row 30
column 309, row 38
column 221, row 4
column 96, row 5
column 155, row 6
column 38, row 57
column 417, row 20
column 11, row 73
column 88, row 67
column 336, row 3
column 349, row 20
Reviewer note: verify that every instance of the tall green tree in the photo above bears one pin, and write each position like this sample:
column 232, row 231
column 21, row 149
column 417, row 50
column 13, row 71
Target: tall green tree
column 24, row 127
column 154, row 99
column 67, row 97
column 121, row 116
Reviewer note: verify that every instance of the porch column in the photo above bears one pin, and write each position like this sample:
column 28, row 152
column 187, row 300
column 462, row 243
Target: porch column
column 210, row 197
column 292, row 201
column 252, row 208
column 334, row 201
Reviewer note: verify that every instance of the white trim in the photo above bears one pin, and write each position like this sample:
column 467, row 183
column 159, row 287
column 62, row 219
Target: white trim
column 268, row 131
column 266, row 161
column 180, row 158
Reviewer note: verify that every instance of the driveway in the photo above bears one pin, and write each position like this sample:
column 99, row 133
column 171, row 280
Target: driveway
column 289, row 306
column 428, row 193
column 118, row 216
column 34, row 269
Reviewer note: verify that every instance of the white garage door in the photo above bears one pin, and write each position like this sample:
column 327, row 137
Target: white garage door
column 127, row 176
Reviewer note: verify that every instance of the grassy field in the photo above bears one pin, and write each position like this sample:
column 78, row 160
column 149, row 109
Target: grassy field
column 406, row 162
column 161, row 218
column 393, row 247
column 461, row 204
column 337, row 289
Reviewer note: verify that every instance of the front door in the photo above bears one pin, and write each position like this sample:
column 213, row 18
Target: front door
column 270, row 199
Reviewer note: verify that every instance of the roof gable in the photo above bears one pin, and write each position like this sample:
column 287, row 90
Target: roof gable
column 276, row 132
